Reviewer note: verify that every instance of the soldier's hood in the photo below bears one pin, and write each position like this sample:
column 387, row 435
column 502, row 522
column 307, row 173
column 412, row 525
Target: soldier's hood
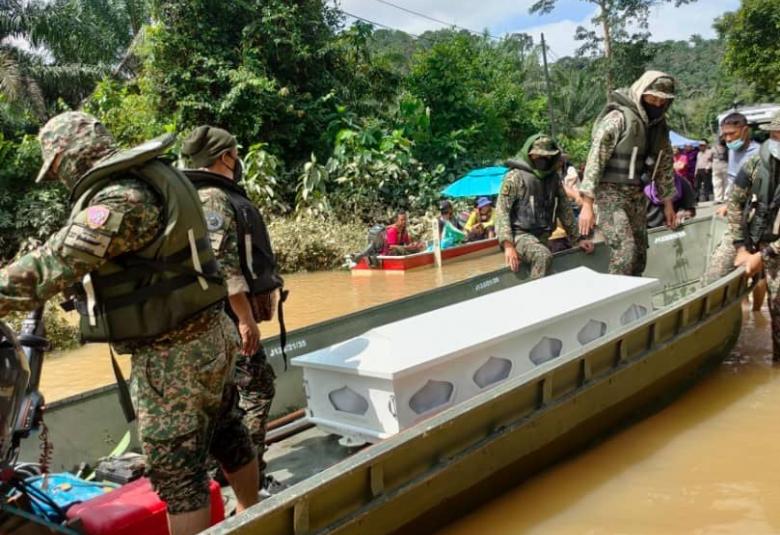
column 523, row 159
column 634, row 93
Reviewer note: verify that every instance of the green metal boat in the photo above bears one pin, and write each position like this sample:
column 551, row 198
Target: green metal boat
column 421, row 478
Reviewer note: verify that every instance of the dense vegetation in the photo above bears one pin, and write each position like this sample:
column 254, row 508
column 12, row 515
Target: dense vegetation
column 340, row 123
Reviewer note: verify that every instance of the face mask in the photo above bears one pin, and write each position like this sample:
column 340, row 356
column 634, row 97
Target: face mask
column 735, row 145
column 238, row 170
column 653, row 112
column 774, row 148
column 542, row 164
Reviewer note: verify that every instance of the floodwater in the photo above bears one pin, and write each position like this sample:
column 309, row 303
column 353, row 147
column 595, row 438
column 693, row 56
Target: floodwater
column 314, row 297
column 707, row 463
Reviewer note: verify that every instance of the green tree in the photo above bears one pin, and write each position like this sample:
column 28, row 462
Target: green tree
column 751, row 43
column 613, row 18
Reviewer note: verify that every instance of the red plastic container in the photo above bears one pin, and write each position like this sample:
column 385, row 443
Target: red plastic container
column 133, row 509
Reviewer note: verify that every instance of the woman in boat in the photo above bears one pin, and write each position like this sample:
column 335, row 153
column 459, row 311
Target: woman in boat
column 684, row 201
column 481, row 224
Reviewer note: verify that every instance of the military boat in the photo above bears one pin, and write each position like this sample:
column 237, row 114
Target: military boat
column 421, row 477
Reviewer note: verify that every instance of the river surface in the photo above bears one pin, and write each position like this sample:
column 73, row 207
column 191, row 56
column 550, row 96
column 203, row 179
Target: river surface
column 707, row 463
column 314, row 297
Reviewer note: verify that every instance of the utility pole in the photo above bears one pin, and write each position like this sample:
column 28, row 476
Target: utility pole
column 547, row 83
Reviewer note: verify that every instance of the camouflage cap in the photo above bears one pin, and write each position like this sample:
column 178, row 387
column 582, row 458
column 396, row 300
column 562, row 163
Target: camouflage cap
column 773, row 125
column 662, row 87
column 79, row 140
column 544, row 146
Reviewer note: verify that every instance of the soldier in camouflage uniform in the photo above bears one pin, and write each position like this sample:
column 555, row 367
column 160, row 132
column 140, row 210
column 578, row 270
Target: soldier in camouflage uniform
column 241, row 244
column 630, row 139
column 754, row 221
column 135, row 255
column 531, row 199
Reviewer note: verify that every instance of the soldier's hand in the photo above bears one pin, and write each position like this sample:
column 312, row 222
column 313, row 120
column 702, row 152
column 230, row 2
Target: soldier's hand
column 586, row 219
column 721, row 211
column 586, row 245
column 754, row 263
column 250, row 337
column 511, row 257
column 670, row 215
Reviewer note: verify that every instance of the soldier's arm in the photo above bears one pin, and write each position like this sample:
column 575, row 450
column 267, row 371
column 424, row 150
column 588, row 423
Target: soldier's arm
column 566, row 215
column 740, row 196
column 664, row 175
column 506, row 198
column 605, row 139
column 121, row 218
column 223, row 233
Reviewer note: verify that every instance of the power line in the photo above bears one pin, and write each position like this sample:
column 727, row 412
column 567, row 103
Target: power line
column 385, row 26
column 428, row 17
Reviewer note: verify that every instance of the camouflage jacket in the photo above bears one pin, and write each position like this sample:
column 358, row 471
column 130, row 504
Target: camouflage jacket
column 511, row 189
column 740, row 195
column 605, row 138
column 125, row 216
column 223, row 231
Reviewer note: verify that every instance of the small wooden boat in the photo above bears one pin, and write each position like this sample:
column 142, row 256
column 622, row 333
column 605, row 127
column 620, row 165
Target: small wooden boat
column 399, row 264
column 442, row 466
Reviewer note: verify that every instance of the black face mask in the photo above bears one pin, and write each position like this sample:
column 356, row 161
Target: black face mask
column 653, row 112
column 238, row 169
column 542, row 164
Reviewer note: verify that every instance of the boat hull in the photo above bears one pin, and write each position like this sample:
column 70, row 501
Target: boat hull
column 421, row 478
column 400, row 264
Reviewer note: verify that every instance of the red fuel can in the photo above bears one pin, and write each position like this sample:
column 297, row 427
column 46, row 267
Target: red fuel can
column 132, row 509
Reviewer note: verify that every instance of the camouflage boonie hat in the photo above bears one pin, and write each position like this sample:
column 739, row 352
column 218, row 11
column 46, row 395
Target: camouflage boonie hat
column 662, row 87
column 773, row 125
column 81, row 140
column 544, row 146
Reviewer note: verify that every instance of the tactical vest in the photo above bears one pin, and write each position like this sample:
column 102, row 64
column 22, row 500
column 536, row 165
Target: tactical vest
column 762, row 213
column 536, row 210
column 258, row 264
column 144, row 294
column 628, row 160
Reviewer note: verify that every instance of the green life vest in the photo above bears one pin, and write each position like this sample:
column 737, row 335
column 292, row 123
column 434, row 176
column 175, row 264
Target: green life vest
column 535, row 211
column 147, row 293
column 630, row 159
column 762, row 213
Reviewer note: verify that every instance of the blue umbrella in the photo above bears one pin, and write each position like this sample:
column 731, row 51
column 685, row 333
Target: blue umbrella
column 680, row 140
column 485, row 181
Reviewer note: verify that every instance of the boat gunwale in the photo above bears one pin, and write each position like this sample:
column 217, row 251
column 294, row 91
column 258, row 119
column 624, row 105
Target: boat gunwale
column 465, row 249
column 377, row 454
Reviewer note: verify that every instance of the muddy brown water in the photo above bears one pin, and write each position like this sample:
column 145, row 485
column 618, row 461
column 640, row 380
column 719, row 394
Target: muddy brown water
column 314, row 297
column 707, row 463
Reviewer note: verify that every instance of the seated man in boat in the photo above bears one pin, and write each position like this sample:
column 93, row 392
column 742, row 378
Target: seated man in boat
column 753, row 213
column 397, row 240
column 684, row 202
column 530, row 200
column 481, row 223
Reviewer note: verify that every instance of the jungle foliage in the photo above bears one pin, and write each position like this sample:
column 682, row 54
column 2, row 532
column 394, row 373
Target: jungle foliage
column 337, row 121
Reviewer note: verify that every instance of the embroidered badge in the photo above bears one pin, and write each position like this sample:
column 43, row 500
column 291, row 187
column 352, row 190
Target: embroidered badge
column 97, row 216
column 214, row 221
column 506, row 189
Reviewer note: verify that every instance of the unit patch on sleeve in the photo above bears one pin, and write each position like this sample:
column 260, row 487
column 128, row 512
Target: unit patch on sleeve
column 87, row 240
column 214, row 221
column 97, row 216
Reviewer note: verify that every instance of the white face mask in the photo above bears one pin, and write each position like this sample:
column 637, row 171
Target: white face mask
column 774, row 148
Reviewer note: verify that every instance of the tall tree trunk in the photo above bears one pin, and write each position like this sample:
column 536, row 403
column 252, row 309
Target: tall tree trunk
column 603, row 4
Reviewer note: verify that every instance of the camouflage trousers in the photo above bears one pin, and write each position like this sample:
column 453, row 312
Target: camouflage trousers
column 772, row 273
column 622, row 217
column 534, row 250
column 255, row 380
column 182, row 387
column 721, row 262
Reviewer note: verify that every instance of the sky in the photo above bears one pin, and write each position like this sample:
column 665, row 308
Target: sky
column 509, row 16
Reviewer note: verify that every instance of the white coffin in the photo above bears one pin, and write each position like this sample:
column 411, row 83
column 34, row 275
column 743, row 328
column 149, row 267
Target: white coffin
column 375, row 385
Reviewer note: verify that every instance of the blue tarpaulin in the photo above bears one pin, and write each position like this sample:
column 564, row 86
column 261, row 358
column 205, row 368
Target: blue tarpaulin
column 678, row 140
column 485, row 181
